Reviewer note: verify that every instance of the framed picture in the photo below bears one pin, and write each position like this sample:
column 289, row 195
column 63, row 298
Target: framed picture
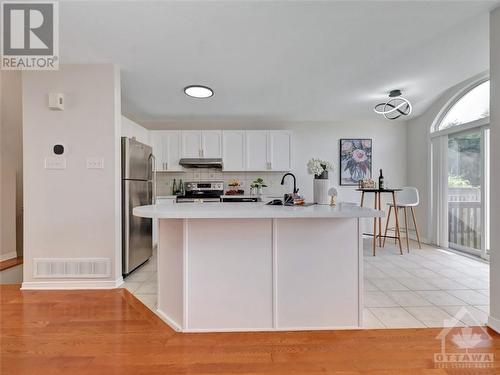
column 355, row 161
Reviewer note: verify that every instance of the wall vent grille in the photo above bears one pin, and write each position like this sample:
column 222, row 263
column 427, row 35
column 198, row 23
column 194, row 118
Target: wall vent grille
column 71, row 267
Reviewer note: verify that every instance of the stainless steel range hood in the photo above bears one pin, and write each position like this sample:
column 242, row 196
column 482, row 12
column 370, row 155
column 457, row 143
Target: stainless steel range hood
column 201, row 163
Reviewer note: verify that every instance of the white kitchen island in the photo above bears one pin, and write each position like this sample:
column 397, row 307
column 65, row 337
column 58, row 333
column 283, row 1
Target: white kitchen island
column 252, row 267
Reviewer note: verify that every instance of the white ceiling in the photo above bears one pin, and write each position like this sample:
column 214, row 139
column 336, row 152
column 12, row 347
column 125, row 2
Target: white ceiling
column 278, row 61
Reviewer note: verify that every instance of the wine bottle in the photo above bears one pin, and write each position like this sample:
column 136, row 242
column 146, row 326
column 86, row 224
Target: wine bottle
column 174, row 187
column 181, row 187
column 381, row 181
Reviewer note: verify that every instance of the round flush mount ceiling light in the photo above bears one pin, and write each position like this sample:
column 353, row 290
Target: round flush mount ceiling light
column 395, row 107
column 199, row 92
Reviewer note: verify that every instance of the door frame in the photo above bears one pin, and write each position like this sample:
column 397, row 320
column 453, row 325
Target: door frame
column 439, row 173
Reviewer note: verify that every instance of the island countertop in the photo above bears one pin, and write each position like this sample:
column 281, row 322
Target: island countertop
column 233, row 210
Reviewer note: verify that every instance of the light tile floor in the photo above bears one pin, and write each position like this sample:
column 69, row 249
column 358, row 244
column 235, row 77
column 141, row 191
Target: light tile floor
column 143, row 283
column 424, row 288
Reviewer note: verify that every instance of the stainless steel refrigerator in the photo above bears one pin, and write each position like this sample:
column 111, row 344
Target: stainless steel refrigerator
column 137, row 190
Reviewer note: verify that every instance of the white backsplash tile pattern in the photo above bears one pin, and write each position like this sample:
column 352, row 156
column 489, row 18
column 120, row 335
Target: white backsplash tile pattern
column 271, row 179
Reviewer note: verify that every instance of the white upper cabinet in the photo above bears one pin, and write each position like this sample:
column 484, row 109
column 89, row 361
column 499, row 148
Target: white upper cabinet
column 201, row 144
column 191, row 144
column 172, row 150
column 233, row 150
column 280, row 150
column 241, row 150
column 167, row 149
column 257, row 148
column 211, row 144
column 268, row 150
column 156, row 140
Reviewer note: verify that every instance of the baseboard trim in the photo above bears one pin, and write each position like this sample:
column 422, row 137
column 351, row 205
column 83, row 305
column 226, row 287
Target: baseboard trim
column 270, row 329
column 72, row 284
column 494, row 324
column 172, row 323
column 176, row 327
column 8, row 256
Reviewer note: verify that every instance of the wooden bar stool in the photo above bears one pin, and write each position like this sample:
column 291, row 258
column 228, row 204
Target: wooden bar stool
column 406, row 198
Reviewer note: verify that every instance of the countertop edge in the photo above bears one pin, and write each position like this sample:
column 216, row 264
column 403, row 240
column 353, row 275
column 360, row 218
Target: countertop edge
column 261, row 212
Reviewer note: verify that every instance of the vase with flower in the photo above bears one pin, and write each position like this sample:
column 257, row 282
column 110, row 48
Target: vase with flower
column 320, row 168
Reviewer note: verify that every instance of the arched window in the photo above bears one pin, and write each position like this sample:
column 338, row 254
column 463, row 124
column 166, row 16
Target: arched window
column 472, row 106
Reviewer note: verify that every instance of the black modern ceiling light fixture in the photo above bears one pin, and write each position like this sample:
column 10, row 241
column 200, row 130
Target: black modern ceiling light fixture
column 198, row 91
column 395, row 107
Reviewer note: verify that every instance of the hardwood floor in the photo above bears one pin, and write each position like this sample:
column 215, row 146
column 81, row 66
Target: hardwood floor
column 111, row 332
column 9, row 263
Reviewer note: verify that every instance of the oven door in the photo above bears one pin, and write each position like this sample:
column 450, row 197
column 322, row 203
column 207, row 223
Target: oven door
column 197, row 200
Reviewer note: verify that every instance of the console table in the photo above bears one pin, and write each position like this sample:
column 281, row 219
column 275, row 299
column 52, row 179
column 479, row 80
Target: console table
column 377, row 194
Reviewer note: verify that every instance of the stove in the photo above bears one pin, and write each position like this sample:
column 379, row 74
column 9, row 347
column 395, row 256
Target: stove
column 201, row 191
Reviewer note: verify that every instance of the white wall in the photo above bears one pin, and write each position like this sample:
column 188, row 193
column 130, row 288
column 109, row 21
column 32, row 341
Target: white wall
column 131, row 129
column 321, row 140
column 75, row 212
column 10, row 164
column 419, row 156
column 495, row 170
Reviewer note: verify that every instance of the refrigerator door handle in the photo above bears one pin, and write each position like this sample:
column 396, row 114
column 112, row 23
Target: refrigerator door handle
column 153, row 171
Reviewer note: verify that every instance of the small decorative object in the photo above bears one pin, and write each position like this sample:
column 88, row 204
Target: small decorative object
column 257, row 186
column 174, row 187
column 298, row 200
column 366, row 184
column 180, row 189
column 355, row 161
column 395, row 107
column 288, row 199
column 332, row 193
column 381, row 184
column 319, row 168
column 234, row 187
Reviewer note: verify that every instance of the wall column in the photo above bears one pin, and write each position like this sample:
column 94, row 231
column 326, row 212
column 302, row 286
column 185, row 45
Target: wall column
column 494, row 321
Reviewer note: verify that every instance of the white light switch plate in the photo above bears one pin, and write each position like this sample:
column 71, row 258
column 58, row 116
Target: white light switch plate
column 95, row 163
column 55, row 162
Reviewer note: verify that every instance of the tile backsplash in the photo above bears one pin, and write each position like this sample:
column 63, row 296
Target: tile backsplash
column 271, row 179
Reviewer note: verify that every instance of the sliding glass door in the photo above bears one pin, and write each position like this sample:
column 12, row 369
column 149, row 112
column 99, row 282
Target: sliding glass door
column 460, row 172
column 467, row 194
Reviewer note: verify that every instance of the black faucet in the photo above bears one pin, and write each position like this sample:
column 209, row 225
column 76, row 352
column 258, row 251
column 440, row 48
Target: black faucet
column 295, row 190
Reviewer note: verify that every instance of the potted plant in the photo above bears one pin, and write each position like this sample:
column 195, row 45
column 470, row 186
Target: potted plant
column 257, row 186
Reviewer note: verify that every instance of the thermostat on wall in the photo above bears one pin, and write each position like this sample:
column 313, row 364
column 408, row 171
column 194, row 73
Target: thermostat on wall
column 56, row 101
column 55, row 162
